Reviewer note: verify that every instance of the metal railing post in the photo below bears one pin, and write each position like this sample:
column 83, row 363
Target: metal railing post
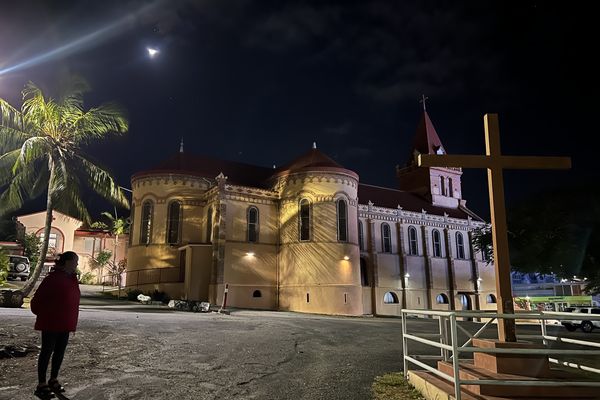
column 455, row 356
column 404, row 345
column 442, row 337
column 544, row 331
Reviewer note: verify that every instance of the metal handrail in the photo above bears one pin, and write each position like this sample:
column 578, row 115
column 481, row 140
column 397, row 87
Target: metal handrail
column 449, row 344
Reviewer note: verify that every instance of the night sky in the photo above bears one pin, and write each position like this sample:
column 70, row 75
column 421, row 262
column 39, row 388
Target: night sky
column 259, row 81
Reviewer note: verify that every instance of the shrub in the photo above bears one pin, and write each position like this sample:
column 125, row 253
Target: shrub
column 132, row 294
column 159, row 296
column 4, row 260
column 87, row 279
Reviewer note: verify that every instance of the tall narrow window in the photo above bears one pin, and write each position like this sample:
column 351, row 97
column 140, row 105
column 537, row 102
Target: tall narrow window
column 413, row 248
column 146, row 225
column 460, row 246
column 209, row 225
column 361, row 238
column 131, row 224
column 174, row 223
column 450, row 189
column 364, row 274
column 304, row 219
column 342, row 220
column 252, row 219
column 442, row 186
column 437, row 243
column 386, row 238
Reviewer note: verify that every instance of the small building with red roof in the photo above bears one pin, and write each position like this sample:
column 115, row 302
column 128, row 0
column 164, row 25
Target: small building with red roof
column 308, row 236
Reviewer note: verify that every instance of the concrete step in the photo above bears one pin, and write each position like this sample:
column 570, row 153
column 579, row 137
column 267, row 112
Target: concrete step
column 469, row 371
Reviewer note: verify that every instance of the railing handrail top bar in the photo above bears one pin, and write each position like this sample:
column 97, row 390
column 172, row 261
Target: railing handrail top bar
column 526, row 351
column 492, row 314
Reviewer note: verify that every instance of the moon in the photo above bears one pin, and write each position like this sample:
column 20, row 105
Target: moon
column 152, row 52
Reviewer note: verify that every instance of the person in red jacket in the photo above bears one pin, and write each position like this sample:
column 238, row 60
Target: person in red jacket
column 56, row 305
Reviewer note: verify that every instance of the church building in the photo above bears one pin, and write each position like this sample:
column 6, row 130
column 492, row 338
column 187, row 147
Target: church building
column 308, row 236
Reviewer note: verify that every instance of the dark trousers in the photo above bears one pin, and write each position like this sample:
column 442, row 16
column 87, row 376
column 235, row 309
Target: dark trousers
column 53, row 344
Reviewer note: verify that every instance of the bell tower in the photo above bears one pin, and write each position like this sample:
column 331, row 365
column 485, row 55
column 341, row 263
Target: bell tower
column 439, row 185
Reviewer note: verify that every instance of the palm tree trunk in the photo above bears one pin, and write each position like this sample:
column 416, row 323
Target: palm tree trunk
column 30, row 284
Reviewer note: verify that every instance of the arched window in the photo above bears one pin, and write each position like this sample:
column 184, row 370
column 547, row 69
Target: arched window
column 390, row 298
column 361, row 238
column 437, row 243
column 257, row 293
column 174, row 223
column 460, row 246
column 442, row 186
column 146, row 223
column 441, row 299
column 209, row 225
column 490, row 298
column 304, row 220
column 252, row 223
column 342, row 220
column 386, row 238
column 413, row 248
column 131, row 223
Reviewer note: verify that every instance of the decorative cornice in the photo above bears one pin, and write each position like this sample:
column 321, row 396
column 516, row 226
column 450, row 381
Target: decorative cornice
column 170, row 179
column 252, row 191
column 371, row 211
column 338, row 178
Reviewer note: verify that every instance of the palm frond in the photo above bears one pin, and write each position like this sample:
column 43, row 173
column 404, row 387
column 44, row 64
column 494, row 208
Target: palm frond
column 10, row 117
column 68, row 199
column 72, row 95
column 34, row 148
column 97, row 122
column 39, row 112
column 18, row 191
column 7, row 161
column 101, row 182
column 11, row 138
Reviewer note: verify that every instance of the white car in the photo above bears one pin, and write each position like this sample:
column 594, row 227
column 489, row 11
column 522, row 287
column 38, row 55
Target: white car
column 585, row 325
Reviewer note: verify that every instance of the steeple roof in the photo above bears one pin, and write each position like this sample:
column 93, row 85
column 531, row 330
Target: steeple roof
column 426, row 140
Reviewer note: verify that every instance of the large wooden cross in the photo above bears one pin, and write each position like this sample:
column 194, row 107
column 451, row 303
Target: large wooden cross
column 495, row 163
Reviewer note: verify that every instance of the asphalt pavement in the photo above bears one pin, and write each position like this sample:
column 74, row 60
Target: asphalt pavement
column 128, row 351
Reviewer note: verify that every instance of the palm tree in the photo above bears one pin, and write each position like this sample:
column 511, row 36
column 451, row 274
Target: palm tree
column 41, row 152
column 118, row 226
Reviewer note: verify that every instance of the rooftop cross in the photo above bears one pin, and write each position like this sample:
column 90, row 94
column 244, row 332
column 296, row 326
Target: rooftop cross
column 423, row 100
column 495, row 163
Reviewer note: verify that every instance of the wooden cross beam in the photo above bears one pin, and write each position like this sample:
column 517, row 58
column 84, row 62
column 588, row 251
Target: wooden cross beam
column 495, row 163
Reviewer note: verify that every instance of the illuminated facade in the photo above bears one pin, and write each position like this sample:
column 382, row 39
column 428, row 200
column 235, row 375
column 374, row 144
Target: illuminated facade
column 308, row 236
column 67, row 234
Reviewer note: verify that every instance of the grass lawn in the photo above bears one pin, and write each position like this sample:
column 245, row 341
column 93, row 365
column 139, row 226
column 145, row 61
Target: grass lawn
column 394, row 387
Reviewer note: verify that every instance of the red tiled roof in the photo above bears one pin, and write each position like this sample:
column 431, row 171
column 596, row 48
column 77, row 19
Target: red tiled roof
column 207, row 167
column 240, row 173
column 311, row 160
column 391, row 198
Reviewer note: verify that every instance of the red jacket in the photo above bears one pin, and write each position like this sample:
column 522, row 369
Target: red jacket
column 56, row 303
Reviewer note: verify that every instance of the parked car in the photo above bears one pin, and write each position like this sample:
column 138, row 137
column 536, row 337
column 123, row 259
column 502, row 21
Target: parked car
column 18, row 267
column 585, row 325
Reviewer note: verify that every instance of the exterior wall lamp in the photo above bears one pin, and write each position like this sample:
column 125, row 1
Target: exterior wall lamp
column 250, row 254
column 346, row 258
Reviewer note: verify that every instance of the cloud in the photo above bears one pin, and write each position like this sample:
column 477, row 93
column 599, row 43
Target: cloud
column 290, row 26
column 342, row 129
column 398, row 50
